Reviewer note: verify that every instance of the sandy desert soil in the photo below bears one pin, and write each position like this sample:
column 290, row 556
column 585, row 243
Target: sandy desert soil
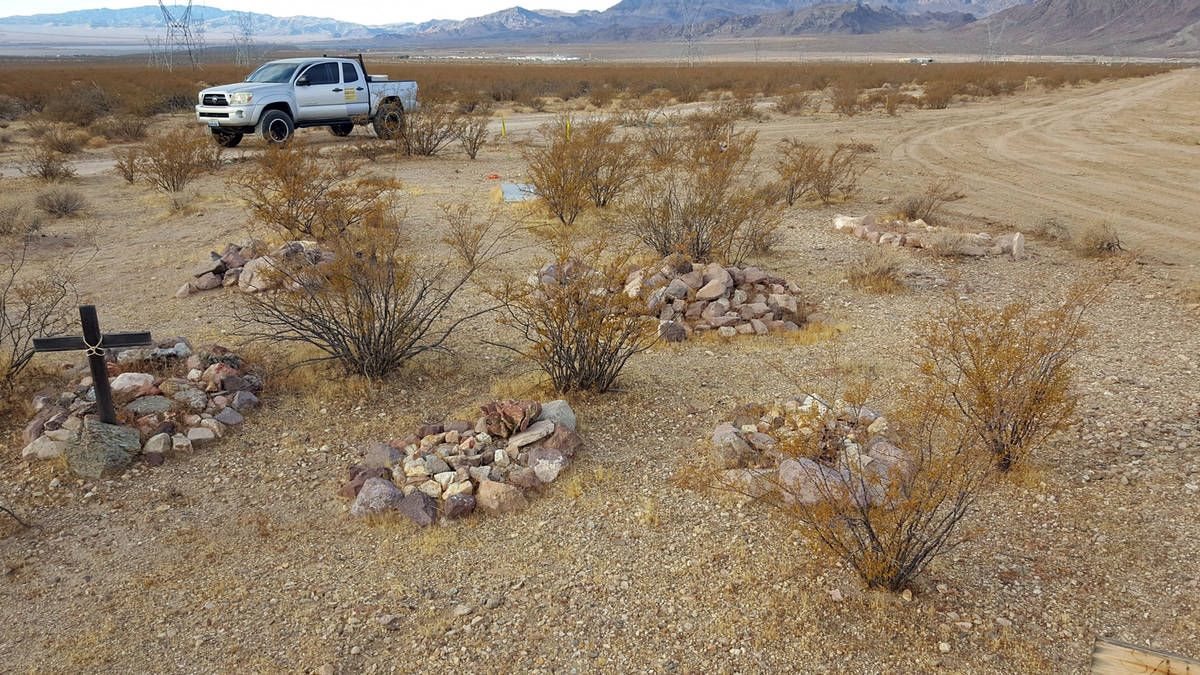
column 241, row 558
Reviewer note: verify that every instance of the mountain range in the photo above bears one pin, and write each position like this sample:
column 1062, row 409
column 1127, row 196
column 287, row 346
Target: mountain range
column 1169, row 26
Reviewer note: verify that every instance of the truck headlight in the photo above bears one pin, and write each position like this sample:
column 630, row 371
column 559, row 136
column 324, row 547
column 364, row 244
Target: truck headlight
column 241, row 97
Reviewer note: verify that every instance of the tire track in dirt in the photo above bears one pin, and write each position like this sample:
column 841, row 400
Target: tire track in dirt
column 1125, row 152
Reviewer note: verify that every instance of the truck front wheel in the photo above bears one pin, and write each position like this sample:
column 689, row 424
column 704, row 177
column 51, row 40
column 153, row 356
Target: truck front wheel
column 389, row 120
column 341, row 129
column 226, row 138
column 276, row 127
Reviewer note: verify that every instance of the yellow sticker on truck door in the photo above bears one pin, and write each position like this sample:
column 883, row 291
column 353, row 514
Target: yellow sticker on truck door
column 351, row 95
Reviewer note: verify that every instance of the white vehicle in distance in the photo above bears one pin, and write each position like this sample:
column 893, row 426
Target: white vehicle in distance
column 280, row 96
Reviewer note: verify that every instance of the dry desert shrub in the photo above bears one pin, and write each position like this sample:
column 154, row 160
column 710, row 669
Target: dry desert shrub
column 806, row 171
column 846, row 100
column 705, row 205
column 139, row 90
column 29, row 308
column 610, row 164
column 126, row 164
column 171, row 161
column 45, row 163
column 886, row 519
column 430, row 128
column 794, row 103
column 557, row 170
column 77, row 104
column 11, row 108
column 938, row 95
column 949, row 244
column 60, row 138
column 927, row 206
column 60, row 201
column 1052, row 228
column 602, row 95
column 474, row 132
column 371, row 302
column 1005, row 373
column 293, row 193
column 879, row 272
column 738, row 106
column 122, row 127
column 15, row 219
column 574, row 321
column 1098, row 240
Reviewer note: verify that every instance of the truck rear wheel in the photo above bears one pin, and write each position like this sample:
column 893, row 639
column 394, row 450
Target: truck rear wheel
column 344, row 129
column 226, row 138
column 276, row 127
column 389, row 120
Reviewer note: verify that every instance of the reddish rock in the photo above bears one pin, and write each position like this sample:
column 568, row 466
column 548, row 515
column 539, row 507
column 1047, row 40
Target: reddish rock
column 563, row 440
column 526, row 479
column 429, row 430
column 497, row 498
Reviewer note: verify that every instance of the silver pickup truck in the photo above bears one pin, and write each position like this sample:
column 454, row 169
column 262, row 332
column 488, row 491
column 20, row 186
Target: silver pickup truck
column 329, row 92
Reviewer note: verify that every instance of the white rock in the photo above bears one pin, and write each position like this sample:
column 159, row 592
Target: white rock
column 131, row 381
column 44, row 447
column 536, row 432
column 547, row 470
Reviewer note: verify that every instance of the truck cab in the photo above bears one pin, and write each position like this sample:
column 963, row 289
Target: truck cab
column 282, row 95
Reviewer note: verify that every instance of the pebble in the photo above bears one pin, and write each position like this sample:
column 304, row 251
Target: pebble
column 462, row 610
column 944, row 647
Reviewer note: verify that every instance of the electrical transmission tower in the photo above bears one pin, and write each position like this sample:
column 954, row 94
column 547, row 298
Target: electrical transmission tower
column 243, row 39
column 690, row 30
column 184, row 38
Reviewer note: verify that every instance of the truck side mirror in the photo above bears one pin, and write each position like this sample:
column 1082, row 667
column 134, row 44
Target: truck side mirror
column 302, row 82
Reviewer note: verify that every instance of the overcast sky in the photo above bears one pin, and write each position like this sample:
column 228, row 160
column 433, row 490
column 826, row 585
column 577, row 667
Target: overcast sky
column 359, row 11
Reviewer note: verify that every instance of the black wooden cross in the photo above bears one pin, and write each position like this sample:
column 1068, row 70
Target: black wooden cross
column 95, row 343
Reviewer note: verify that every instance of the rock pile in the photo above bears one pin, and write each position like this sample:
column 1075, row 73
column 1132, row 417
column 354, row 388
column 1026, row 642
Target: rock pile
column 919, row 234
column 690, row 298
column 250, row 267
column 201, row 398
column 494, row 464
column 804, row 450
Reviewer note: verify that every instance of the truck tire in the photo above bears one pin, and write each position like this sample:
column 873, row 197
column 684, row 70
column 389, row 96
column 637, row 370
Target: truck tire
column 389, row 120
column 343, row 129
column 276, row 127
column 227, row 139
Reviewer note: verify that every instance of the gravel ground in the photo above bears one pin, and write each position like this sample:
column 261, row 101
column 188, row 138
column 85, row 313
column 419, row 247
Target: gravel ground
column 242, row 558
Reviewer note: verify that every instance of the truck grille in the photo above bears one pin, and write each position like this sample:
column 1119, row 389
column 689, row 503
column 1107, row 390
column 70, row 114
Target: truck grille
column 213, row 114
column 215, row 99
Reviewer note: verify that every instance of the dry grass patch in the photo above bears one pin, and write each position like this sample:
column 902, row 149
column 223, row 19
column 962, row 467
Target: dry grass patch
column 1099, row 240
column 60, row 202
column 879, row 272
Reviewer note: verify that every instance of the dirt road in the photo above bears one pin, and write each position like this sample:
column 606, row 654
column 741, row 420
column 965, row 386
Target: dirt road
column 1124, row 152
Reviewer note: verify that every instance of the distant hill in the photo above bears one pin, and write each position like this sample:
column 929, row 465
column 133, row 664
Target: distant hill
column 1008, row 26
column 1100, row 26
column 218, row 22
column 834, row 19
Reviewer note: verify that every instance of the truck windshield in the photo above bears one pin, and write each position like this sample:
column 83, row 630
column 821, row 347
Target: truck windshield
column 273, row 72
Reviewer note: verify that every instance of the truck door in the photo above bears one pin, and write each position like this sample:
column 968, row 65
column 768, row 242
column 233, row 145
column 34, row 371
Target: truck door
column 319, row 93
column 355, row 92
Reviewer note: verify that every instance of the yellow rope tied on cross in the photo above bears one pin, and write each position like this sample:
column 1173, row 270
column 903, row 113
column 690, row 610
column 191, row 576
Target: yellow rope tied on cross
column 96, row 349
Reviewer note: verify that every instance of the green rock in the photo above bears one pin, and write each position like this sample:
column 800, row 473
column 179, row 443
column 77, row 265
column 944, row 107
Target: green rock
column 149, row 405
column 102, row 449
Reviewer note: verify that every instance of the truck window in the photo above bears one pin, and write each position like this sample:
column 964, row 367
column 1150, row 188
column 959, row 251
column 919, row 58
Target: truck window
column 273, row 72
column 322, row 73
column 349, row 73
